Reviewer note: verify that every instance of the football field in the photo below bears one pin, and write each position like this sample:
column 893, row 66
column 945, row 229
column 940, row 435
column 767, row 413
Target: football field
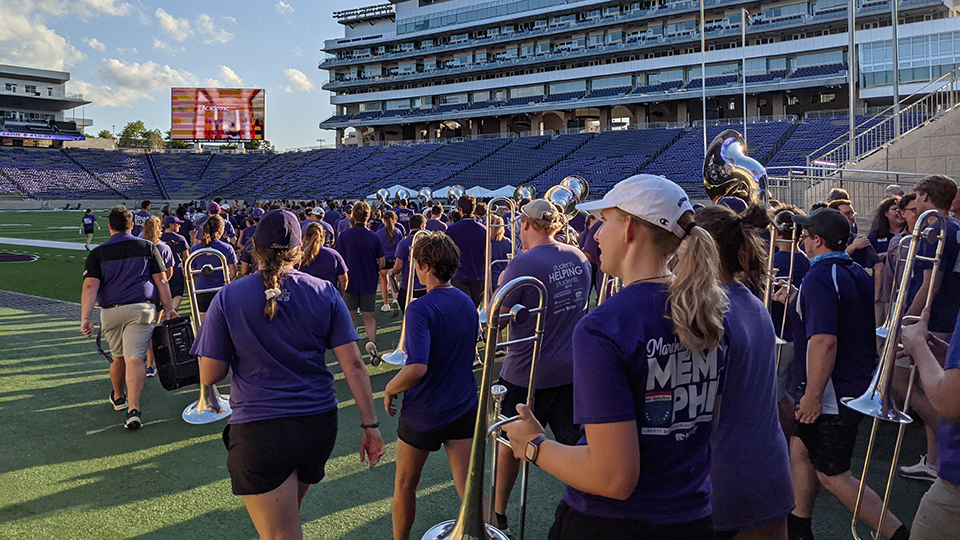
column 69, row 470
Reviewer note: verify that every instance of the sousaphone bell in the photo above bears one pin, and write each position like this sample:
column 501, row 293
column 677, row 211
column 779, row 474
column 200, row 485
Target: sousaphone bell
column 729, row 172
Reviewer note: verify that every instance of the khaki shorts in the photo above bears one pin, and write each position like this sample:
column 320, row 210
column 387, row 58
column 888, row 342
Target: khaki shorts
column 938, row 517
column 128, row 328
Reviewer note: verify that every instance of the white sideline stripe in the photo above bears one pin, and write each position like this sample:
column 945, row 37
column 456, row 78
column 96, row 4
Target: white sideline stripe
column 45, row 244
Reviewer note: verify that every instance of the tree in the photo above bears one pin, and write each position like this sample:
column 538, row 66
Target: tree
column 175, row 143
column 153, row 139
column 104, row 134
column 258, row 145
column 132, row 134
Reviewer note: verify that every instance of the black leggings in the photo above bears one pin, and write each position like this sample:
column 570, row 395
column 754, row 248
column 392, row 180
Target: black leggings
column 570, row 524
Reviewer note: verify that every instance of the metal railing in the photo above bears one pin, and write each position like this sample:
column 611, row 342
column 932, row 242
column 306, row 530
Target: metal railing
column 805, row 186
column 913, row 112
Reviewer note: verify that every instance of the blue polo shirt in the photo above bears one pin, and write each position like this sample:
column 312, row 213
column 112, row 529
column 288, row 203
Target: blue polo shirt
column 946, row 303
column 471, row 237
column 948, row 434
column 124, row 264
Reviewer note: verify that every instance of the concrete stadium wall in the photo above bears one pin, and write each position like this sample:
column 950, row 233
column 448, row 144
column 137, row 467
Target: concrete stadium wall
column 95, row 204
column 932, row 149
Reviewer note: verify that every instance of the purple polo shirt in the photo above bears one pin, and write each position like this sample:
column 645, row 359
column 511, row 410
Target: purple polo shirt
column 434, row 225
column 279, row 366
column 124, row 265
column 327, row 265
column 361, row 250
column 471, row 237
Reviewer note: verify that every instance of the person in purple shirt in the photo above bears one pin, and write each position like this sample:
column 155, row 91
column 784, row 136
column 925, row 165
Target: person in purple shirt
column 332, row 215
column 588, row 243
column 747, row 445
column 363, row 253
column 401, row 265
column 140, row 218
column 344, row 223
column 835, row 302
column 210, row 238
column 500, row 248
column 213, row 209
column 273, row 330
column 471, row 238
column 126, row 276
column 390, row 237
column 181, row 248
column 435, row 223
column 646, row 371
column 937, row 517
column 151, row 233
column 320, row 261
column 566, row 273
column 439, row 389
column 403, row 213
column 89, row 221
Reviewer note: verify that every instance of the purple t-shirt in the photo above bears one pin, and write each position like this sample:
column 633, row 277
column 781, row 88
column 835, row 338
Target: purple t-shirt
column 781, row 261
column 471, row 237
column 403, row 216
column 343, row 224
column 166, row 254
column 630, row 366
column 329, row 236
column 228, row 231
column 139, row 220
column 331, row 216
column 361, row 251
column 327, row 265
column 836, row 298
column 389, row 245
column 125, row 266
column 88, row 222
column 500, row 249
column 403, row 253
column 566, row 273
column 946, row 303
column 441, row 332
column 434, row 225
column 278, row 366
column 748, row 448
column 948, row 434
column 216, row 278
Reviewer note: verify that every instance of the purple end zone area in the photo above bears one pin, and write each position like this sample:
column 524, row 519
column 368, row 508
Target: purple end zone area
column 17, row 257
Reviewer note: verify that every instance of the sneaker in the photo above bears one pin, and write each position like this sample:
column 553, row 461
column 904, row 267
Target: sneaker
column 151, row 371
column 920, row 471
column 133, row 420
column 120, row 403
column 502, row 524
column 386, row 308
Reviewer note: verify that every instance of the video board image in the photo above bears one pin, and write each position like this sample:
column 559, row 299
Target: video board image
column 218, row 114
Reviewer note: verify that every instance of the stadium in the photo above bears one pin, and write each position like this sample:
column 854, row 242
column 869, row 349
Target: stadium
column 433, row 100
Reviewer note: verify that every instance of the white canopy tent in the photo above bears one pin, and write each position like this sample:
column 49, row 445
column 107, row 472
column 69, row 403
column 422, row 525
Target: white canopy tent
column 505, row 191
column 393, row 192
column 478, row 191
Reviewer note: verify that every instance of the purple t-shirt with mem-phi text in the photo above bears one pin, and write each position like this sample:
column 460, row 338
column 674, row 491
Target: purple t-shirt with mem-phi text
column 748, row 448
column 327, row 265
column 361, row 250
column 139, row 220
column 565, row 272
column 441, row 332
column 215, row 279
column 948, row 434
column 471, row 237
column 403, row 253
column 629, row 365
column 279, row 369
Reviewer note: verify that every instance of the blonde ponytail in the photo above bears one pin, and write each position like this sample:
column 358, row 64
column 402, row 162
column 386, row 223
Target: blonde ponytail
column 211, row 229
column 271, row 263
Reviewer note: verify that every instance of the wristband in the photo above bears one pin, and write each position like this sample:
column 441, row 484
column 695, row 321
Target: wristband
column 375, row 425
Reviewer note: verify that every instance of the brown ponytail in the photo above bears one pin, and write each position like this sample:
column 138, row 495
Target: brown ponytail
column 741, row 251
column 313, row 238
column 271, row 263
column 390, row 222
column 212, row 230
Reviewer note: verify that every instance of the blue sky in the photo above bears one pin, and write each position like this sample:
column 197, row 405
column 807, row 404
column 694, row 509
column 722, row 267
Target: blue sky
column 125, row 55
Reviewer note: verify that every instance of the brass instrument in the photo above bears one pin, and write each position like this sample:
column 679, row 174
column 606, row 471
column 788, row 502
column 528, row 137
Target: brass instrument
column 611, row 286
column 884, row 330
column 578, row 185
column 783, row 223
column 470, row 522
column 879, row 400
column 454, row 194
column 425, row 196
column 571, row 191
column 489, row 286
column 401, row 194
column 383, row 195
column 525, row 191
column 211, row 406
column 399, row 356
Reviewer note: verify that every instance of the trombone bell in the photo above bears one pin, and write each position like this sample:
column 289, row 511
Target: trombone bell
column 873, row 403
column 444, row 530
column 211, row 407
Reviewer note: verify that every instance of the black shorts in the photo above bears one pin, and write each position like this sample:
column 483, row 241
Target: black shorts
column 570, row 524
column 204, row 300
column 473, row 289
column 365, row 302
column 830, row 440
column 402, row 298
column 262, row 454
column 431, row 441
column 552, row 406
column 390, row 262
column 177, row 285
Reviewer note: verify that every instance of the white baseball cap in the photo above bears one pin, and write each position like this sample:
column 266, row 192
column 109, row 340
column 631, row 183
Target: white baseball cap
column 653, row 199
column 317, row 211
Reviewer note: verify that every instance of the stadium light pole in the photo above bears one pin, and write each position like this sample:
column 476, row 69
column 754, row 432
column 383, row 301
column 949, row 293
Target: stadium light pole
column 703, row 76
column 896, row 68
column 852, row 74
column 744, row 14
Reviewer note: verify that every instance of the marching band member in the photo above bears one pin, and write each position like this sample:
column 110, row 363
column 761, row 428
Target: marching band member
column 140, row 218
column 390, row 236
column 646, row 370
column 181, row 248
column 438, row 386
column 363, row 253
column 273, row 333
column 500, row 248
column 211, row 233
column 566, row 273
column 471, row 238
column 151, row 233
column 402, row 264
column 747, row 448
column 835, row 303
column 320, row 261
column 434, row 223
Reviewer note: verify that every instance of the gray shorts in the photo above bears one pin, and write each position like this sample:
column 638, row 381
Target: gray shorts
column 786, row 372
column 938, row 517
column 128, row 328
column 365, row 302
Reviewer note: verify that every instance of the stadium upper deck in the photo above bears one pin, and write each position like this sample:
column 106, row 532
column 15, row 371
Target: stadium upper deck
column 422, row 69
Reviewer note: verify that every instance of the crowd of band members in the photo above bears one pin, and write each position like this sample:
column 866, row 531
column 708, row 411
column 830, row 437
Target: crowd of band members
column 673, row 411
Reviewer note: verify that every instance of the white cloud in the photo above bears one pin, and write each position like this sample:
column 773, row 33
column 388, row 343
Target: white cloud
column 298, row 81
column 283, row 8
column 212, row 83
column 166, row 47
column 214, row 35
column 88, row 8
column 95, row 44
column 297, row 52
column 232, row 78
column 229, row 19
column 178, row 29
column 26, row 40
column 122, row 51
column 147, row 77
column 105, row 96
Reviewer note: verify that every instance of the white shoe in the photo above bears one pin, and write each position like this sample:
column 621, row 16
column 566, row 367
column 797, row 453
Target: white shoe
column 920, row 471
column 386, row 308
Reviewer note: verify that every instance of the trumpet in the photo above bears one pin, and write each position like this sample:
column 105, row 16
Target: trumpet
column 879, row 401
column 399, row 356
column 469, row 524
column 211, row 406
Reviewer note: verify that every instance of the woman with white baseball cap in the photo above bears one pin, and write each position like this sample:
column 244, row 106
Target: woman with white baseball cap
column 646, row 367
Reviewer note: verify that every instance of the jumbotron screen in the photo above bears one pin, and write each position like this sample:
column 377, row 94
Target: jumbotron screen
column 218, row 114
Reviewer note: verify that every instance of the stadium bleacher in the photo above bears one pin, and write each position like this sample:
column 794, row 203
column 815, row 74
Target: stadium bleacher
column 50, row 174
column 126, row 172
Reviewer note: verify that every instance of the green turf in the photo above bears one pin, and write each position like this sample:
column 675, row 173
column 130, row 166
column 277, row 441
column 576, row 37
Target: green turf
column 59, row 225
column 57, row 274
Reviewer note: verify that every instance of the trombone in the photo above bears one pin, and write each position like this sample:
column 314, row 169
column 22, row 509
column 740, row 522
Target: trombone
column 211, row 406
column 489, row 286
column 399, row 356
column 783, row 223
column 884, row 330
column 469, row 524
column 879, row 400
